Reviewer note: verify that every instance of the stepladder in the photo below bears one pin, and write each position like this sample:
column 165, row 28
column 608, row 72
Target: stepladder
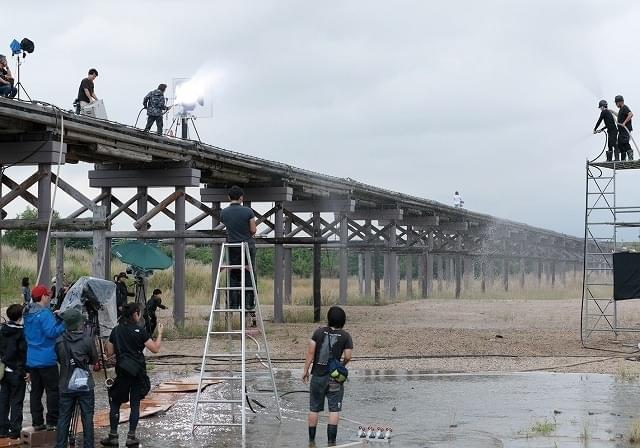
column 236, row 358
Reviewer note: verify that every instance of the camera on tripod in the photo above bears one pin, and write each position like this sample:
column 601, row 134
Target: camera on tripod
column 138, row 273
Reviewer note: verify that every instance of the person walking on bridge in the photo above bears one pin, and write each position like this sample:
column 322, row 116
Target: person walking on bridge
column 624, row 129
column 156, row 105
column 612, row 130
column 86, row 91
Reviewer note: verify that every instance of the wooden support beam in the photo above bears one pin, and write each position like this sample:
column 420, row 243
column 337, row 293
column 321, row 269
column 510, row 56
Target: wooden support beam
column 84, row 208
column 22, row 188
column 321, row 205
column 417, row 221
column 168, row 213
column 122, row 153
column 123, row 207
column 374, row 214
column 266, row 194
column 170, row 177
column 31, row 153
column 31, row 199
column 71, row 191
column 454, row 226
column 141, row 222
column 56, row 224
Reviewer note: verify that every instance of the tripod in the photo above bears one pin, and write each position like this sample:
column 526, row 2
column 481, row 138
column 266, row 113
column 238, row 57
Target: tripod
column 93, row 325
column 19, row 85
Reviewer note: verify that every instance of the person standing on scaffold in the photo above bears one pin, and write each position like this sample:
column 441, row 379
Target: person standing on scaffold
column 624, row 129
column 606, row 116
column 240, row 222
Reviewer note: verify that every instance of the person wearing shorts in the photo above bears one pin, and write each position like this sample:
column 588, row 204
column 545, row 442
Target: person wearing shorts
column 326, row 343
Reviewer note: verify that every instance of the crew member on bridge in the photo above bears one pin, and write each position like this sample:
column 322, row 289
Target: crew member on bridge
column 612, row 130
column 240, row 222
column 86, row 91
column 624, row 128
column 6, row 79
column 457, row 200
column 156, row 105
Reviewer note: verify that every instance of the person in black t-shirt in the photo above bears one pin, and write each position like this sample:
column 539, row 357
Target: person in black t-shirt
column 240, row 222
column 327, row 343
column 13, row 351
column 624, row 129
column 150, row 318
column 612, row 130
column 86, row 91
column 127, row 341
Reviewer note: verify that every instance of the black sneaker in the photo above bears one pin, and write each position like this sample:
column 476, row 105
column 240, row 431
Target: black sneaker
column 132, row 440
column 51, row 427
column 39, row 428
column 14, row 435
column 110, row 440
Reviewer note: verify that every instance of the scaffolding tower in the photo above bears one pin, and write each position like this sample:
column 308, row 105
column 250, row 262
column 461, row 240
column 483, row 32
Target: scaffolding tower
column 603, row 220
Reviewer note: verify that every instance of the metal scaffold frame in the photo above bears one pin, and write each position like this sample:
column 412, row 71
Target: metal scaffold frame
column 599, row 311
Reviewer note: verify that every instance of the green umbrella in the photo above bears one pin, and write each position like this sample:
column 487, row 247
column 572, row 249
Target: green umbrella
column 142, row 255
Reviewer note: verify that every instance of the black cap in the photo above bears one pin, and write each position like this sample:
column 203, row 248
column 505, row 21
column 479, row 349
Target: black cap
column 602, row 103
column 619, row 98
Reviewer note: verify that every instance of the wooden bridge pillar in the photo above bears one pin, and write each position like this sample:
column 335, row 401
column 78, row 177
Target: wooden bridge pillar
column 467, row 274
column 179, row 251
column 505, row 273
column 539, row 271
column 553, row 273
column 288, row 268
column 106, row 204
column 216, row 248
column 98, row 261
column 385, row 273
column 523, row 269
column 393, row 264
column 44, row 210
column 483, row 275
column 278, row 267
column 317, row 259
column 344, row 272
column 457, row 269
column 360, row 274
column 439, row 260
column 408, row 265
column 368, row 262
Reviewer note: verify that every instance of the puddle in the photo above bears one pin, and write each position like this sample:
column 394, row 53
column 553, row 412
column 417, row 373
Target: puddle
column 477, row 411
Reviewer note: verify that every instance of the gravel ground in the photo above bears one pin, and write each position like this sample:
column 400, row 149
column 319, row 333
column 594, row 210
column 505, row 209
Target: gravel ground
column 458, row 336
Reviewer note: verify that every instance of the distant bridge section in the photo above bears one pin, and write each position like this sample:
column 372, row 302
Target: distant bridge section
column 293, row 207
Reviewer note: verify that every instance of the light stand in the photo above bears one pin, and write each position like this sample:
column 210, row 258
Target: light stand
column 19, row 85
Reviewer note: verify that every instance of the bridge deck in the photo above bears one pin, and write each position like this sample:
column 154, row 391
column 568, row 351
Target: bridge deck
column 98, row 141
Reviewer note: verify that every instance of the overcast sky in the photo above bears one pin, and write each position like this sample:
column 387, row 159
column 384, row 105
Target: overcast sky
column 496, row 99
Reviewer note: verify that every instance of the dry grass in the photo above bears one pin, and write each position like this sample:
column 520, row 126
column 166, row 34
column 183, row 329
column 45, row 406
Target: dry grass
column 634, row 433
column 16, row 264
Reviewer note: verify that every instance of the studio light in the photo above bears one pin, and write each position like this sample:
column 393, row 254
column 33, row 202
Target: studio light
column 24, row 46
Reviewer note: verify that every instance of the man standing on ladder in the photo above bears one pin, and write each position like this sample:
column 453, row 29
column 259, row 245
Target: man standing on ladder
column 240, row 222
column 612, row 130
column 624, row 128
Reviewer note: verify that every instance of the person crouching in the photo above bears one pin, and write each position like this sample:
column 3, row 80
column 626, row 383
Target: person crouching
column 76, row 353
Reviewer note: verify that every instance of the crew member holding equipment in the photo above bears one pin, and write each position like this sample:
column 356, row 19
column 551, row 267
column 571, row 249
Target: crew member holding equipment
column 156, row 105
column 612, row 130
column 624, row 129
column 86, row 91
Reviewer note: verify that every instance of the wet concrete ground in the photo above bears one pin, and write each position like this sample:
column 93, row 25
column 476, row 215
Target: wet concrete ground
column 583, row 410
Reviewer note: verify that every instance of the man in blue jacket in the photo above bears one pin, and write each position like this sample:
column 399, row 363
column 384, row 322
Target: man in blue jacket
column 41, row 329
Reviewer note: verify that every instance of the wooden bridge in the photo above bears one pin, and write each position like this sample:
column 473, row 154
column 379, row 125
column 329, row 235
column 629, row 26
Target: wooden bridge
column 293, row 207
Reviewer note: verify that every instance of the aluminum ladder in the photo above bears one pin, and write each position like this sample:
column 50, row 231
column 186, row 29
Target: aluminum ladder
column 226, row 357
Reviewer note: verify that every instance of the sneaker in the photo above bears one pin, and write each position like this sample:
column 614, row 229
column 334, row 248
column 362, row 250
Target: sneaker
column 51, row 427
column 110, row 440
column 14, row 435
column 132, row 440
column 39, row 428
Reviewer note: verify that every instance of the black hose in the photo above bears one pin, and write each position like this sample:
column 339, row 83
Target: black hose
column 604, row 148
column 138, row 117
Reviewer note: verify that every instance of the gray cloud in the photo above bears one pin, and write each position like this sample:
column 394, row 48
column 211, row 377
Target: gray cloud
column 494, row 98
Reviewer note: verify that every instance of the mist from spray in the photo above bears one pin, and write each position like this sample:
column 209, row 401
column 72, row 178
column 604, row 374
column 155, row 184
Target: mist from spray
column 197, row 88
